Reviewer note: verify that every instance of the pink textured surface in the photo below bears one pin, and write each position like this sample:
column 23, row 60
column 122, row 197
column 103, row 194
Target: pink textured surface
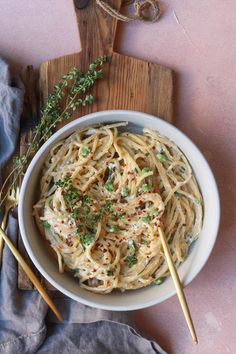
column 197, row 40
column 34, row 31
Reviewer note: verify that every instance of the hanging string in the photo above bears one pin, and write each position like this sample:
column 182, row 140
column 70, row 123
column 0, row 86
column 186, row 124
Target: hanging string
column 140, row 10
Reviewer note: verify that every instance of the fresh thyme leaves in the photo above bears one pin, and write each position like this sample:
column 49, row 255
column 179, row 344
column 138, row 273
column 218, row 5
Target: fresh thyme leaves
column 71, row 92
column 106, row 206
column 124, row 192
column 162, row 157
column 145, row 170
column 71, row 196
column 85, row 151
column 109, row 186
column 86, row 200
column 46, row 224
column 63, row 183
column 79, row 228
column 75, row 213
column 81, row 207
column 114, row 228
column 131, row 260
column 146, row 219
column 145, row 187
column 86, row 239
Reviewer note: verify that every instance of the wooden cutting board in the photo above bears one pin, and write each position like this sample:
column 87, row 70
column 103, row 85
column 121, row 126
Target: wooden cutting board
column 128, row 83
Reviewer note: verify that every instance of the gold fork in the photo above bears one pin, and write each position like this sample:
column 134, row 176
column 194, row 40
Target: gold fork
column 11, row 201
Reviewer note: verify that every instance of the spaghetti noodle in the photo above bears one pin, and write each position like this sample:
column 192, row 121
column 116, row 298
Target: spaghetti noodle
column 103, row 195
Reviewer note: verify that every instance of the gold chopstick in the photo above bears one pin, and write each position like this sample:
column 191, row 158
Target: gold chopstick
column 178, row 286
column 31, row 275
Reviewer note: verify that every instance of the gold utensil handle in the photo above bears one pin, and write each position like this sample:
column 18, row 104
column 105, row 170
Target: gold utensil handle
column 31, row 275
column 178, row 286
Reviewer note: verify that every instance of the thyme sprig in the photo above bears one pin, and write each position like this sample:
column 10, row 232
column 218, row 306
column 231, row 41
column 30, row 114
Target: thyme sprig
column 70, row 93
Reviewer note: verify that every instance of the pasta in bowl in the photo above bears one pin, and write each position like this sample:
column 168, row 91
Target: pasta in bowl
column 103, row 196
column 104, row 189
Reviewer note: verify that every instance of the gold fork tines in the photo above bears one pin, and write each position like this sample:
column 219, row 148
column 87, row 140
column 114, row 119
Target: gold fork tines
column 11, row 201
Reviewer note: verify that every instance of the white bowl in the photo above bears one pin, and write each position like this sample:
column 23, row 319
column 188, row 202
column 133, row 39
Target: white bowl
column 135, row 299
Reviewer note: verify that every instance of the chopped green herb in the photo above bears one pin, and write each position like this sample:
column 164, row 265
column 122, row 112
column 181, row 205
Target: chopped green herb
column 146, row 219
column 85, row 151
column 86, row 200
column 46, row 224
column 122, row 217
column 177, row 194
column 153, row 211
column 71, row 196
column 86, row 239
column 79, row 228
column 109, row 186
column 114, row 228
column 124, row 192
column 63, row 183
column 147, row 154
column 95, row 218
column 75, row 213
column 159, row 281
column 145, row 170
column 106, row 206
column 162, row 156
column 145, row 187
column 131, row 260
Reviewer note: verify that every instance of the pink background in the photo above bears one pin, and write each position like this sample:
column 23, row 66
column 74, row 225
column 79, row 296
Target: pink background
column 197, row 40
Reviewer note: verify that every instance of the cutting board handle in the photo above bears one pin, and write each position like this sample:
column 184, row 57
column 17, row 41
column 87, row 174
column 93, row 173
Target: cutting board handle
column 96, row 27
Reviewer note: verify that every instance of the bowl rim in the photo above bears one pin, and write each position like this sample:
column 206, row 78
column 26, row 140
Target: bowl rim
column 75, row 124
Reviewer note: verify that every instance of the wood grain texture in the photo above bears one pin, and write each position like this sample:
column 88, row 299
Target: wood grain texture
column 128, row 83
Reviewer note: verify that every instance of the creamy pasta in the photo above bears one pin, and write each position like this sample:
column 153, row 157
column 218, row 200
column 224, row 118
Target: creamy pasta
column 103, row 194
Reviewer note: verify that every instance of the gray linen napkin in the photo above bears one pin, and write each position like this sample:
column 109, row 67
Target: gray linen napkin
column 26, row 326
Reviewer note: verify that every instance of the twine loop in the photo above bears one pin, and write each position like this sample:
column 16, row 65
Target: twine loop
column 140, row 10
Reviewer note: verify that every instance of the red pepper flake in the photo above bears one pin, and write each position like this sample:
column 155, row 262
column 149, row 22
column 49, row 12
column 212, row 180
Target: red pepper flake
column 62, row 221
